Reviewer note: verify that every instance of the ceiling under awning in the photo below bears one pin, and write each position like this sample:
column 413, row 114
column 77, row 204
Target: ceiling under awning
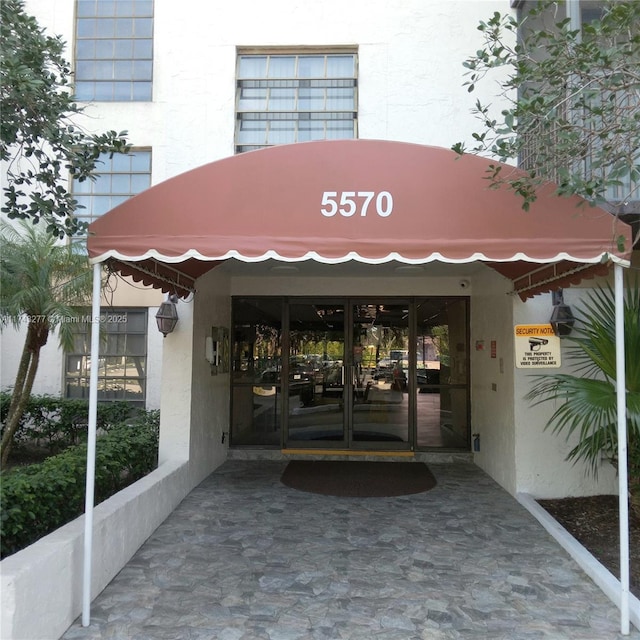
column 368, row 201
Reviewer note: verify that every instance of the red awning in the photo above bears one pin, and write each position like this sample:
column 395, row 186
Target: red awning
column 366, row 200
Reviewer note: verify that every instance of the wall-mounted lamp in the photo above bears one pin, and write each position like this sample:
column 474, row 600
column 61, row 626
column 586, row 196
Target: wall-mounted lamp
column 562, row 319
column 167, row 316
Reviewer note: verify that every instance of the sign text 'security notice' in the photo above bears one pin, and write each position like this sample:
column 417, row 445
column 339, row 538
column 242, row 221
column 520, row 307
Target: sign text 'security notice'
column 536, row 347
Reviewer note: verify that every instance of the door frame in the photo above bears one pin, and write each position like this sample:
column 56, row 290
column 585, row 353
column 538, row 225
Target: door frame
column 347, row 442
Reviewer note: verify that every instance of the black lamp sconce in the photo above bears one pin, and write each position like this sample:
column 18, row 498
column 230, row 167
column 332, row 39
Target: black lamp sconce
column 167, row 316
column 562, row 319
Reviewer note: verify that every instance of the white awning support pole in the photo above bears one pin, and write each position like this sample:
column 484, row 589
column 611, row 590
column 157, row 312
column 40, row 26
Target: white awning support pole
column 623, row 490
column 91, row 444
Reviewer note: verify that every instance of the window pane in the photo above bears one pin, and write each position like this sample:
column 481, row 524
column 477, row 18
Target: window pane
column 85, row 49
column 84, row 91
column 142, row 49
column 86, row 8
column 121, row 183
column 143, row 27
column 105, row 28
column 311, row 67
column 141, row 91
column 252, row 67
column 310, row 130
column 135, row 366
column 252, row 132
column 139, row 183
column 121, row 91
column 282, row 67
column 134, row 390
column 124, row 28
column 103, row 70
column 311, row 99
column 340, row 99
column 340, row 67
column 124, row 8
column 281, row 132
column 105, row 8
column 136, row 345
column 101, row 204
column 340, row 130
column 86, row 28
column 123, row 70
column 85, row 70
column 282, row 100
column 136, row 322
column 140, row 161
column 144, row 7
column 122, row 49
column 77, row 388
column 252, row 100
column 74, row 366
column 141, row 69
column 103, row 91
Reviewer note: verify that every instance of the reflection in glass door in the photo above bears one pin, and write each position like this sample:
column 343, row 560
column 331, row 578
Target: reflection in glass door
column 348, row 388
column 442, row 378
column 380, row 364
column 383, row 373
column 316, row 399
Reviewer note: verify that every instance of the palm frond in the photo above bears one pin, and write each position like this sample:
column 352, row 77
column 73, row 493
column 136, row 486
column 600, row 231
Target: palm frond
column 586, row 401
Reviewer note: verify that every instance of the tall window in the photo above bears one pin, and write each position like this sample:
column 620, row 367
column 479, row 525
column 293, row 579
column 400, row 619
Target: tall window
column 122, row 365
column 117, row 179
column 114, row 50
column 283, row 98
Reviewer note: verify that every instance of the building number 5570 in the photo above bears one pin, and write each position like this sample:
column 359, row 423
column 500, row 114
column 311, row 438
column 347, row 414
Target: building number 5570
column 351, row 203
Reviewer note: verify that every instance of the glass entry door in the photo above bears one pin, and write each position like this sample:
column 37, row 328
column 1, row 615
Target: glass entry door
column 376, row 373
column 348, row 363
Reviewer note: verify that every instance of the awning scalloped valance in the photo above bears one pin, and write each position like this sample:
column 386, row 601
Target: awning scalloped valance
column 370, row 201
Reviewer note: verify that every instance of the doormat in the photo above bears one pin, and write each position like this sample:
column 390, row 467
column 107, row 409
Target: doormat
column 358, row 478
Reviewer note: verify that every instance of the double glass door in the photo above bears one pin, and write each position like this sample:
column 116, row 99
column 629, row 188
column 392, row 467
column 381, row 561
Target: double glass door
column 387, row 373
column 348, row 360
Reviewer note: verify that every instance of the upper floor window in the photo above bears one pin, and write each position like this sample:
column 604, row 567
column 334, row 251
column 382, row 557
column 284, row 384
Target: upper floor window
column 114, row 50
column 284, row 98
column 117, row 179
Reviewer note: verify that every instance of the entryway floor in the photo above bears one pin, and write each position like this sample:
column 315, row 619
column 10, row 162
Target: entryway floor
column 244, row 557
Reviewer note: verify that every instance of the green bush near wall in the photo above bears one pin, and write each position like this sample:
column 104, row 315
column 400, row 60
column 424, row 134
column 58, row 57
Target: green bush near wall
column 37, row 499
column 56, row 423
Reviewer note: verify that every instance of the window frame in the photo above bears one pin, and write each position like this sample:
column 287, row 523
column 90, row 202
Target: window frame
column 302, row 121
column 85, row 196
column 112, row 316
column 92, row 88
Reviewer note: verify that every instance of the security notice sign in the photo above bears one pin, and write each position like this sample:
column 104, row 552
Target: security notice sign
column 537, row 347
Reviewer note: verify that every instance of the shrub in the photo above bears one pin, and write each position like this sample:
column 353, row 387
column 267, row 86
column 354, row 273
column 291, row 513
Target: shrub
column 37, row 499
column 57, row 423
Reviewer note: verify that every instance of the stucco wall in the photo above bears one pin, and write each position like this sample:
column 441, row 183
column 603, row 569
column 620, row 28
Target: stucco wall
column 41, row 586
column 50, row 369
column 210, row 393
column 542, row 469
column 492, row 378
column 410, row 69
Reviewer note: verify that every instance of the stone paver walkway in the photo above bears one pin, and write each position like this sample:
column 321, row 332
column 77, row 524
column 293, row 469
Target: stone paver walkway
column 246, row 558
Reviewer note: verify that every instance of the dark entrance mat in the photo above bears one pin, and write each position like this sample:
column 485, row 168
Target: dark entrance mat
column 358, row 478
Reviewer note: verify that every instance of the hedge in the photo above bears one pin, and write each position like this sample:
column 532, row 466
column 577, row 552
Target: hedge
column 37, row 499
column 57, row 423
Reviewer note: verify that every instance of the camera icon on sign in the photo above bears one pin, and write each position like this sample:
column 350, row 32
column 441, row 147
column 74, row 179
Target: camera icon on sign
column 535, row 344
